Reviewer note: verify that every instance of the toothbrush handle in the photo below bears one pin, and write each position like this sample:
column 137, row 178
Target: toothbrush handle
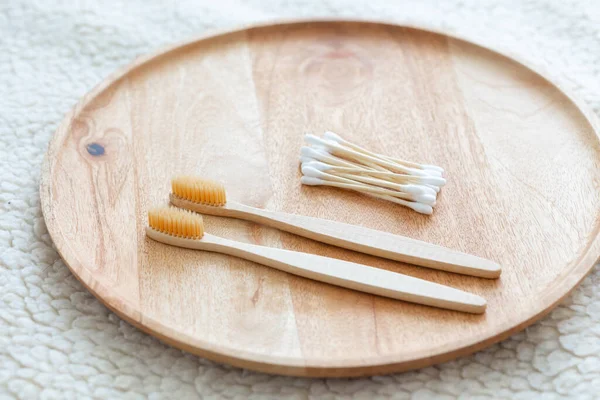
column 373, row 242
column 357, row 238
column 337, row 272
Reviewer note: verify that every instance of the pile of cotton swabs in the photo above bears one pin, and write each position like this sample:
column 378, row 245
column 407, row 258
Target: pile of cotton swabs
column 333, row 161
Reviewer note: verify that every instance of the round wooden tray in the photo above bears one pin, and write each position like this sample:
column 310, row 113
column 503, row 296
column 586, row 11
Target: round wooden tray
column 522, row 161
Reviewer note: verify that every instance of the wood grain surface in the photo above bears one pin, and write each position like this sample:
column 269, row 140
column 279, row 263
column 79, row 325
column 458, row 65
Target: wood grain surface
column 522, row 161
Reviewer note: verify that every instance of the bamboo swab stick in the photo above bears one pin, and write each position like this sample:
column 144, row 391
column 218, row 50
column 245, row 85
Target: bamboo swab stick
column 386, row 175
column 337, row 138
column 408, row 188
column 324, row 153
column 418, row 207
column 321, row 155
column 337, row 150
column 397, row 201
column 357, row 186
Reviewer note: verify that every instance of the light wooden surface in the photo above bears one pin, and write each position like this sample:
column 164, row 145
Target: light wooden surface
column 522, row 161
column 336, row 272
column 357, row 238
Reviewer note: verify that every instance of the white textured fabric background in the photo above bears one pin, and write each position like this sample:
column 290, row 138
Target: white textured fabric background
column 58, row 341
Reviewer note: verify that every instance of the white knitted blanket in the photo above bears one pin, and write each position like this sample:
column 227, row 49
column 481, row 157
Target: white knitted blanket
column 58, row 341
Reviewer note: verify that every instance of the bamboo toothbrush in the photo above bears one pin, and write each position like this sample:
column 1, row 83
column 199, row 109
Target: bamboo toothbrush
column 209, row 197
column 186, row 229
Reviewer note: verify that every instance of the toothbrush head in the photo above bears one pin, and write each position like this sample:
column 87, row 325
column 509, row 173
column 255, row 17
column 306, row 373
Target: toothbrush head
column 176, row 222
column 199, row 190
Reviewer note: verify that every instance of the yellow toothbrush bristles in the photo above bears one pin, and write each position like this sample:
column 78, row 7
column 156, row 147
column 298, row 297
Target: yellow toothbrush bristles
column 176, row 222
column 198, row 190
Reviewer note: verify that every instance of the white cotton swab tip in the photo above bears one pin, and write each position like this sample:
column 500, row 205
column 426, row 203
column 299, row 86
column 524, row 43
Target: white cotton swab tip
column 306, row 151
column 418, row 172
column 427, row 190
column 433, row 172
column 426, row 199
column 307, row 180
column 417, row 189
column 314, row 140
column 333, row 137
column 433, row 168
column 318, row 165
column 311, row 172
column 433, row 180
column 320, row 147
column 434, row 188
column 314, row 152
column 420, row 208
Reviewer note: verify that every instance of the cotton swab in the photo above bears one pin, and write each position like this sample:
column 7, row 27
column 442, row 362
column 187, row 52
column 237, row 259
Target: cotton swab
column 418, row 207
column 386, row 175
column 408, row 188
column 324, row 156
column 338, row 139
column 357, row 186
column 339, row 150
column 334, row 161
